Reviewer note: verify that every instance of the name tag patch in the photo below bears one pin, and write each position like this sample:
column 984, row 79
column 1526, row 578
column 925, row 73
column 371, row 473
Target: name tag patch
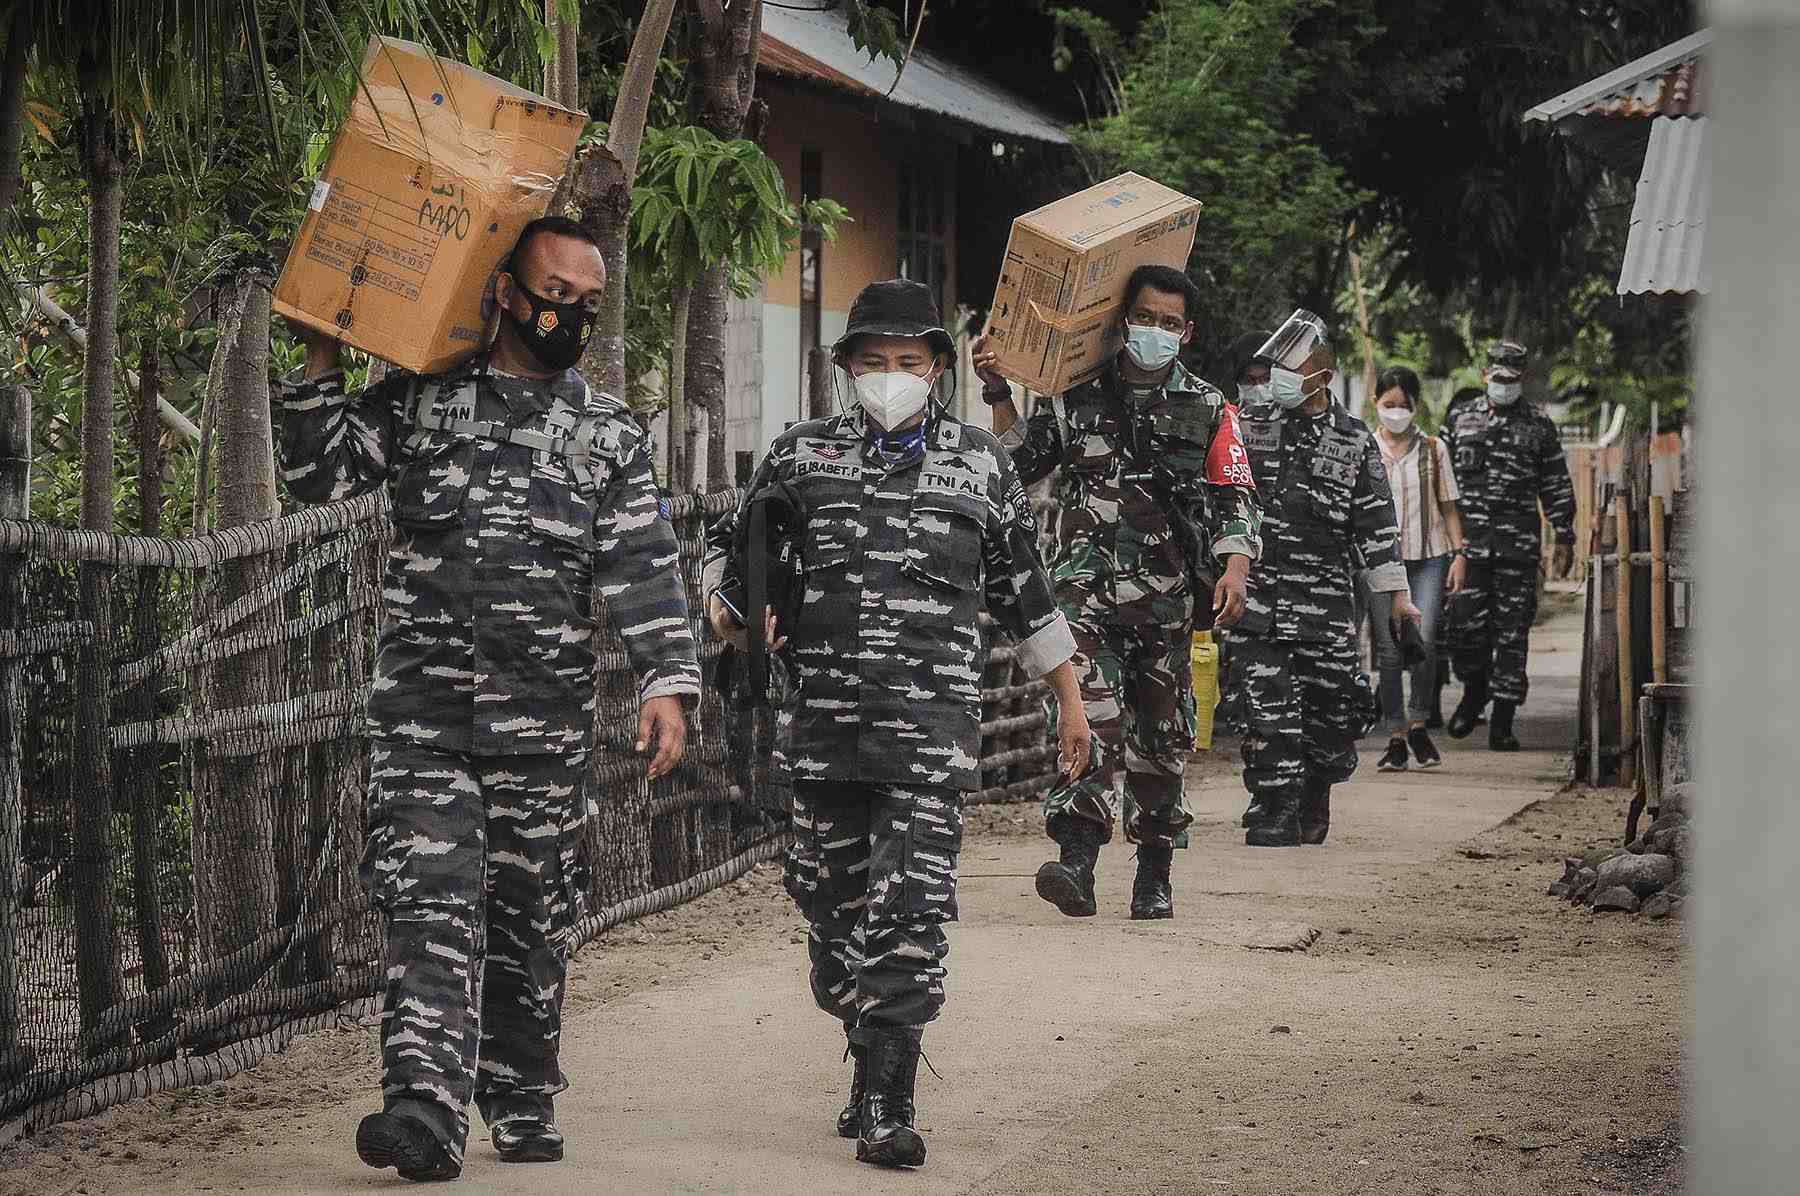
column 1260, row 435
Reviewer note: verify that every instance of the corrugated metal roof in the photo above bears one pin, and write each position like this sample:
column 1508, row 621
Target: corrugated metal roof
column 1664, row 82
column 816, row 45
column 1666, row 251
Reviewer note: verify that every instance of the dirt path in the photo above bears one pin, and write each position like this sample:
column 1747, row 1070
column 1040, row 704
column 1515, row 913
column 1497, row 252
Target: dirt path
column 1450, row 1030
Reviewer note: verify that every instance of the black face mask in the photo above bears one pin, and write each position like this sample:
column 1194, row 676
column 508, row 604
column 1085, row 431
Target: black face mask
column 556, row 333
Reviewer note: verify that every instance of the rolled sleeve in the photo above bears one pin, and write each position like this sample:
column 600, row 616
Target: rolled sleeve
column 1047, row 648
column 1387, row 579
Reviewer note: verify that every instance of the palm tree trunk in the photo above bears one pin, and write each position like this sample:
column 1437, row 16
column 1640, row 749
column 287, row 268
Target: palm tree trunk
column 724, row 77
column 681, row 437
column 15, row 503
column 705, row 384
column 96, row 935
column 234, row 857
column 562, row 74
column 12, row 102
column 146, row 768
column 603, row 191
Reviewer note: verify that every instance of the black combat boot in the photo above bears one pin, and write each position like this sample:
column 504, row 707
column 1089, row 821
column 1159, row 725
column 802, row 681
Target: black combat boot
column 1468, row 711
column 395, row 1140
column 527, row 1140
column 850, row 1120
column 1315, row 813
column 1280, row 824
column 1151, row 896
column 1254, row 812
column 1068, row 882
column 888, row 1137
column 1500, row 731
column 1435, row 720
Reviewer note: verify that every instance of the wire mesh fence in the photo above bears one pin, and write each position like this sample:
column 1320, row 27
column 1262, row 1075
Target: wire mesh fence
column 183, row 769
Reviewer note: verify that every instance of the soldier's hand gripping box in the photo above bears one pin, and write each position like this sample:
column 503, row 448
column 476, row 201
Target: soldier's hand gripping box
column 435, row 171
column 1057, row 319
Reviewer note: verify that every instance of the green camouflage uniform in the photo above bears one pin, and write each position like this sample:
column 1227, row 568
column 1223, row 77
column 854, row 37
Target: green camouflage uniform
column 1146, row 479
column 513, row 502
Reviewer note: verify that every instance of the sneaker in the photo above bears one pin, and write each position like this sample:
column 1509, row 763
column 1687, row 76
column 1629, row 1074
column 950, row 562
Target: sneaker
column 1394, row 759
column 1423, row 750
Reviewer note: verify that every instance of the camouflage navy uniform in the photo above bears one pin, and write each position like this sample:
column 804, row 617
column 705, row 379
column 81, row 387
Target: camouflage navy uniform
column 881, row 731
column 1327, row 513
column 513, row 502
column 1507, row 459
column 1146, row 475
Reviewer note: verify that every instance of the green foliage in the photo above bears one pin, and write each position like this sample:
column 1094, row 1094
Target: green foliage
column 1201, row 98
column 699, row 202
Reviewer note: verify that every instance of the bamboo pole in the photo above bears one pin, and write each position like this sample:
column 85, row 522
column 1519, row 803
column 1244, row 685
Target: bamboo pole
column 1659, row 597
column 1362, row 319
column 1627, row 706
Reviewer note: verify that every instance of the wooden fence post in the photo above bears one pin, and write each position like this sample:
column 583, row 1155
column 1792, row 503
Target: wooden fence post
column 15, row 500
column 818, row 384
column 1627, row 701
column 1659, row 595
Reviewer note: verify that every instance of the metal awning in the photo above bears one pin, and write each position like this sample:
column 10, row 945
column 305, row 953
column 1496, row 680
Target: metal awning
column 815, row 44
column 1661, row 83
column 1666, row 251
column 1610, row 116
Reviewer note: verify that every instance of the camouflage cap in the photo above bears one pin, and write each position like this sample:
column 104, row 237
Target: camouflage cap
column 1507, row 360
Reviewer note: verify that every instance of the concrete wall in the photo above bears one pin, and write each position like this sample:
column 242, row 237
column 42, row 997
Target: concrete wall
column 860, row 157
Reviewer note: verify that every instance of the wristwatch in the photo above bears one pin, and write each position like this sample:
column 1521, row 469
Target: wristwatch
column 1459, row 550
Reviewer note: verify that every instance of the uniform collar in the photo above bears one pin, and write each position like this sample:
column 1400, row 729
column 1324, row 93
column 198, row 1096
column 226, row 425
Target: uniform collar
column 569, row 386
column 1179, row 381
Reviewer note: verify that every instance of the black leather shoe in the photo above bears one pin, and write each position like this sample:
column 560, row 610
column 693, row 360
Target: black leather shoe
column 1068, row 882
column 392, row 1140
column 849, row 1123
column 528, row 1140
column 1468, row 711
column 1152, row 895
column 889, row 1138
column 1500, row 731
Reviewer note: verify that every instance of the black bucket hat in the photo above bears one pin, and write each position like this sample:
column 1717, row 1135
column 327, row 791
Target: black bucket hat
column 897, row 307
column 1507, row 361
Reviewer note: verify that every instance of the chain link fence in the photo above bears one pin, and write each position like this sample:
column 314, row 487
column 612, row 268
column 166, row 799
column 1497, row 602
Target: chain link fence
column 182, row 777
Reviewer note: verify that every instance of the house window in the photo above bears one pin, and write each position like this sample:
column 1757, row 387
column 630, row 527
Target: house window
column 812, row 271
column 924, row 224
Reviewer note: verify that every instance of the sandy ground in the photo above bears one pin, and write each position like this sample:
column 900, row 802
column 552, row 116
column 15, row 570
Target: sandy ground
column 1402, row 1010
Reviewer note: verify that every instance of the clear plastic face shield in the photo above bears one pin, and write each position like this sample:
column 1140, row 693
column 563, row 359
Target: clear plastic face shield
column 1294, row 341
column 1288, row 351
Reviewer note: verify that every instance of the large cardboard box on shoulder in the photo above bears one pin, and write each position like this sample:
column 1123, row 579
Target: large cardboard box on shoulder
column 434, row 173
column 1056, row 319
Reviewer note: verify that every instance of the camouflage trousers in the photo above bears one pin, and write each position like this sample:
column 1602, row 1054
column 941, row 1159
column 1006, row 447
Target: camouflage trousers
column 873, row 868
column 1304, row 705
column 1137, row 685
column 471, row 861
column 1493, row 616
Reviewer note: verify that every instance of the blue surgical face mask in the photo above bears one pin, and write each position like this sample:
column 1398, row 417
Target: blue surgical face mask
column 1287, row 388
column 1504, row 394
column 1151, row 348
